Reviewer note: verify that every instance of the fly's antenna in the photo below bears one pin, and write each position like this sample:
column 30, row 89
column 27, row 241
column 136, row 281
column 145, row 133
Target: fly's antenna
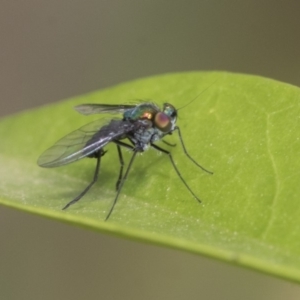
column 198, row 94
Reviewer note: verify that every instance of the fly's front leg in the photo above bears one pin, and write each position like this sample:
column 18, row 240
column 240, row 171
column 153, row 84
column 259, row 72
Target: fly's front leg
column 169, row 144
column 177, row 171
column 187, row 154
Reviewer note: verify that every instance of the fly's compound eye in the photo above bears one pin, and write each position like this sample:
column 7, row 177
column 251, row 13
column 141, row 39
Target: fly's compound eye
column 162, row 122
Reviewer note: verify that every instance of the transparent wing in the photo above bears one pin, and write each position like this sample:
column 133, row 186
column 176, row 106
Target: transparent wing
column 84, row 141
column 89, row 109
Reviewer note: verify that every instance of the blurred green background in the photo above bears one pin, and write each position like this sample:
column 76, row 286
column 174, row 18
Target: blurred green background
column 51, row 50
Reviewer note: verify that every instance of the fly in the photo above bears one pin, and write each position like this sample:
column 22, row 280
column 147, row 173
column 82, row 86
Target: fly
column 141, row 126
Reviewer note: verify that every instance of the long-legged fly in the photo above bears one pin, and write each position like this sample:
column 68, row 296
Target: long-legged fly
column 141, row 126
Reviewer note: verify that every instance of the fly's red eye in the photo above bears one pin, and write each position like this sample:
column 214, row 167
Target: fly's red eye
column 163, row 122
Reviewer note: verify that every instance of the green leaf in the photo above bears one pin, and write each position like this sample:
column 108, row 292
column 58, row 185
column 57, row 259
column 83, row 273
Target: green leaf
column 243, row 128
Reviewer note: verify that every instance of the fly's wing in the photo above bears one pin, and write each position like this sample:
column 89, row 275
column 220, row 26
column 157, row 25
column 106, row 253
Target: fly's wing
column 89, row 109
column 83, row 142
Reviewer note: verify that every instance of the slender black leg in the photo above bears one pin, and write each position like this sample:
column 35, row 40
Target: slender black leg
column 96, row 174
column 169, row 144
column 121, row 166
column 177, row 171
column 186, row 153
column 121, row 184
column 119, row 143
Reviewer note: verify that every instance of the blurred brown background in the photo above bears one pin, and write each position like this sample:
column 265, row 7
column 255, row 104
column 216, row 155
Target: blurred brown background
column 51, row 50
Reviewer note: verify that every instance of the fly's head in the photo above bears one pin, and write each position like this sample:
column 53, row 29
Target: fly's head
column 165, row 120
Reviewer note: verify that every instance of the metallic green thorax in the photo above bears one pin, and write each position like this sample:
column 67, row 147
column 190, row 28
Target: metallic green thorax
column 137, row 112
column 140, row 110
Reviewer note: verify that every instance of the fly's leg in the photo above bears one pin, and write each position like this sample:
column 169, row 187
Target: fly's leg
column 177, row 171
column 121, row 166
column 169, row 144
column 119, row 145
column 186, row 153
column 120, row 185
column 96, row 174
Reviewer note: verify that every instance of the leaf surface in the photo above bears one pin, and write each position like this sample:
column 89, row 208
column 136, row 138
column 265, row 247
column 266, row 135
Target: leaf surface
column 243, row 128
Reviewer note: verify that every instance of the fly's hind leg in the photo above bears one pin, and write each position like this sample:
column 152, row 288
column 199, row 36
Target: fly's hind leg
column 98, row 156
